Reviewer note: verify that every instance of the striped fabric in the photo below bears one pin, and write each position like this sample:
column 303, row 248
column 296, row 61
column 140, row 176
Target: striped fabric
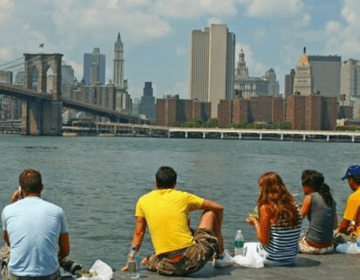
column 283, row 246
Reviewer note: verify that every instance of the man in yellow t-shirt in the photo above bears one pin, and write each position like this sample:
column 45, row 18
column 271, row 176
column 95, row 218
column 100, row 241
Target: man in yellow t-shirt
column 353, row 202
column 165, row 211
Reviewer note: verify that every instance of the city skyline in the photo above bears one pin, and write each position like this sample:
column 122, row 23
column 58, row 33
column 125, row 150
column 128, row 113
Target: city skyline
column 156, row 34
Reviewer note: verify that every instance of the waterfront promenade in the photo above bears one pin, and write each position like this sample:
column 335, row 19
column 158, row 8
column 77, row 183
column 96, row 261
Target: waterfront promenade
column 141, row 130
column 311, row 267
column 134, row 130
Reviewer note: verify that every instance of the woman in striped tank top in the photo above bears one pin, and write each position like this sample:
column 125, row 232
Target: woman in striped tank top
column 279, row 225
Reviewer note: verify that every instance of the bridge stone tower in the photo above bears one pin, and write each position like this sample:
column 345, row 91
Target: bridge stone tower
column 42, row 117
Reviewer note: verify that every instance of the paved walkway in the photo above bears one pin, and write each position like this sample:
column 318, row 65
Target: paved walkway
column 330, row 267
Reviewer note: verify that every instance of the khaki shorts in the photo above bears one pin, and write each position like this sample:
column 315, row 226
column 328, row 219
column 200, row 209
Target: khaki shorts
column 191, row 260
column 305, row 248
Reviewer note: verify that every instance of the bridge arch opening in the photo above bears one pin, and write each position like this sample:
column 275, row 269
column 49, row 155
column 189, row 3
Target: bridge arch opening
column 50, row 79
column 34, row 78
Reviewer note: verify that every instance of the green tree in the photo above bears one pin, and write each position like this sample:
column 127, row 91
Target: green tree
column 211, row 123
column 192, row 123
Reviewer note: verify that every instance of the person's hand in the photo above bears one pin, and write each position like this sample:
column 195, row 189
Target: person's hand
column 251, row 221
column 350, row 229
column 15, row 196
column 125, row 268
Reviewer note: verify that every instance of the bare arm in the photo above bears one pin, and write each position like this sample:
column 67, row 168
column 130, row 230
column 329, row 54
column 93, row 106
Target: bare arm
column 306, row 206
column 139, row 233
column 5, row 237
column 64, row 245
column 262, row 226
column 344, row 226
column 140, row 229
column 211, row 205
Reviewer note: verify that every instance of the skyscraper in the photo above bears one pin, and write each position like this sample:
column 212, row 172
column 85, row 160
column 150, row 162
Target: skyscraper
column 326, row 74
column 94, row 67
column 147, row 105
column 350, row 79
column 289, row 83
column 119, row 63
column 318, row 74
column 273, row 89
column 303, row 77
column 212, row 64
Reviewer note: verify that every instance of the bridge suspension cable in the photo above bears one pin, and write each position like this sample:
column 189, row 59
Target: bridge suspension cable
column 2, row 65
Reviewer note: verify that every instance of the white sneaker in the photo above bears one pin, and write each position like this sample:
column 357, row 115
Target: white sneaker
column 223, row 260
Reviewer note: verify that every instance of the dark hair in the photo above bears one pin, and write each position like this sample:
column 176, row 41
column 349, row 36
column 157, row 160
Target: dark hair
column 30, row 180
column 165, row 177
column 281, row 202
column 316, row 180
column 356, row 179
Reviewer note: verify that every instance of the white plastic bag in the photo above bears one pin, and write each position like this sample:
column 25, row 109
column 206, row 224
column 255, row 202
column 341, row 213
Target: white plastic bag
column 252, row 258
column 104, row 272
column 347, row 248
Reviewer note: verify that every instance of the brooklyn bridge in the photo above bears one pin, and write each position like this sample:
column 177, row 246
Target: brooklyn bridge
column 42, row 108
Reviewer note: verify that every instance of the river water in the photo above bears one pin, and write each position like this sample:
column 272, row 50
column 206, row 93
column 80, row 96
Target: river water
column 97, row 180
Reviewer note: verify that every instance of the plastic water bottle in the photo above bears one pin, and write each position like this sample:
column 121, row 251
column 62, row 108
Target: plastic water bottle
column 133, row 265
column 239, row 243
column 358, row 242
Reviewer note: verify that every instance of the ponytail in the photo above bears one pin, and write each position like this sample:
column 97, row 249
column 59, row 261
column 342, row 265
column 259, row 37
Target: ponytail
column 325, row 193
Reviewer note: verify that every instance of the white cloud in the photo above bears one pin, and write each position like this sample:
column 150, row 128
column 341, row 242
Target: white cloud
column 78, row 68
column 181, row 50
column 345, row 38
column 179, row 88
column 190, row 9
column 214, row 20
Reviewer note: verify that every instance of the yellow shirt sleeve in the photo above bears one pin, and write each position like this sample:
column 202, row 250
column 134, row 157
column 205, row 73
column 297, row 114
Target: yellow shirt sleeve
column 138, row 210
column 195, row 201
column 352, row 205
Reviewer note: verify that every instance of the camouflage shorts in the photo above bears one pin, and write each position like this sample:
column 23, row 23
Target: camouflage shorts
column 6, row 275
column 4, row 259
column 193, row 258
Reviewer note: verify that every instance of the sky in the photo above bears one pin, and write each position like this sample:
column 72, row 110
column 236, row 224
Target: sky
column 156, row 34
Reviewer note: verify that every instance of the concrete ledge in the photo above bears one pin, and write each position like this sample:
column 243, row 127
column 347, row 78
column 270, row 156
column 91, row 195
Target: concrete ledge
column 332, row 266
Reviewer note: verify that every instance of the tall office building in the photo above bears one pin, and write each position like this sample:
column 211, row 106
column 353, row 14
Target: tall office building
column 119, row 63
column 318, row 74
column 350, row 79
column 326, row 74
column 289, row 83
column 212, row 64
column 147, row 105
column 94, row 67
column 303, row 77
column 273, row 89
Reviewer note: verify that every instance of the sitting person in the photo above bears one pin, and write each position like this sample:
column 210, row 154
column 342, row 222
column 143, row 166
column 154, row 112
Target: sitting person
column 165, row 211
column 279, row 225
column 346, row 226
column 33, row 229
column 320, row 208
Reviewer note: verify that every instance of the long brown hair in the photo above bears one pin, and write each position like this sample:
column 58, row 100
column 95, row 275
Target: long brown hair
column 275, row 195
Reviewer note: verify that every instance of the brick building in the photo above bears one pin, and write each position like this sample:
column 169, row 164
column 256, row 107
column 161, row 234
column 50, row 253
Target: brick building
column 172, row 110
column 254, row 109
column 313, row 112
